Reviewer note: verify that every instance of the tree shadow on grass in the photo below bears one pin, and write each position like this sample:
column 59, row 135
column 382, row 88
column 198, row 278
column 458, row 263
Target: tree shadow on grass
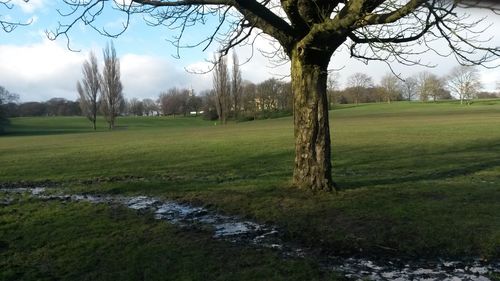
column 407, row 165
column 43, row 132
column 371, row 166
column 40, row 126
column 24, row 132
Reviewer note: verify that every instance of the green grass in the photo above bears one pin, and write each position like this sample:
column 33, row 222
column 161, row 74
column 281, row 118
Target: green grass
column 30, row 126
column 417, row 180
column 54, row 241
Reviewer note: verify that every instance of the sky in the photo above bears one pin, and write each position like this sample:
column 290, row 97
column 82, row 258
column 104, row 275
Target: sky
column 38, row 68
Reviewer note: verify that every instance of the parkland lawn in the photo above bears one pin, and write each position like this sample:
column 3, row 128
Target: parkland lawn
column 416, row 180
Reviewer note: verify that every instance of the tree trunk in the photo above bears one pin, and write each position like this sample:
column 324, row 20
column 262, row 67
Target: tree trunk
column 94, row 117
column 313, row 169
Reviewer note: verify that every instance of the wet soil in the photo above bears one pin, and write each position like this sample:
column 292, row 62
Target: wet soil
column 245, row 232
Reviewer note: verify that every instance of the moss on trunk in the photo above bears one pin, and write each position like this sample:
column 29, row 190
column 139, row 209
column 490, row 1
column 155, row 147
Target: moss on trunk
column 311, row 125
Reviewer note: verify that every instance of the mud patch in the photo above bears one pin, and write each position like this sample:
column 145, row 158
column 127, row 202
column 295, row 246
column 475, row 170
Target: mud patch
column 244, row 232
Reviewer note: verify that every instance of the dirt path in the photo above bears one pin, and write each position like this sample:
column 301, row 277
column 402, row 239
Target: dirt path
column 236, row 230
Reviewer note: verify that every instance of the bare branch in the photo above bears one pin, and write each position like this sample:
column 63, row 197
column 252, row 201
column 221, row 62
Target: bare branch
column 6, row 24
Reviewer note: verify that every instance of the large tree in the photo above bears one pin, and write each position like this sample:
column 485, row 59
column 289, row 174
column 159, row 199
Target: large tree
column 171, row 101
column 236, row 85
column 430, row 86
column 267, row 94
column 358, row 83
column 410, row 88
column 464, row 82
column 150, row 107
column 332, row 86
column 222, row 89
column 391, row 87
column 309, row 32
column 89, row 88
column 111, row 86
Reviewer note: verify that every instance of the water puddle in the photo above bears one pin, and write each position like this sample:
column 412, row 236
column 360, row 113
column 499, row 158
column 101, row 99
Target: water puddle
column 237, row 230
column 358, row 269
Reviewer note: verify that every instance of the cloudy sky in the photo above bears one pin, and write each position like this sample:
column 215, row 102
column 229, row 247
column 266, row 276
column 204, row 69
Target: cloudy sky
column 38, row 68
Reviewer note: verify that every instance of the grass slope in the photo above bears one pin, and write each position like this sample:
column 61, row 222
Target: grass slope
column 418, row 180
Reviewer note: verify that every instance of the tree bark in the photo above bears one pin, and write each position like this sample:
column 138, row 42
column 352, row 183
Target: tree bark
column 94, row 114
column 313, row 169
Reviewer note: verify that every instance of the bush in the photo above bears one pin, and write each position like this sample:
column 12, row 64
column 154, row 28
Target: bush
column 4, row 122
column 210, row 115
column 247, row 116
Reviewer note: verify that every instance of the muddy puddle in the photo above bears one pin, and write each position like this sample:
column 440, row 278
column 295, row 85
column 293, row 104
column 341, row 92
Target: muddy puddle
column 245, row 232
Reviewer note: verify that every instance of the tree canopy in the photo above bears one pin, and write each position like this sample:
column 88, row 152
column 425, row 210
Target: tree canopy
column 373, row 30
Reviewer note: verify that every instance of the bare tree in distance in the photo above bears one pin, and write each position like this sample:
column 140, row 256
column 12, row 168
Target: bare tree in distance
column 410, row 88
column 391, row 87
column 135, row 107
column 285, row 97
column 358, row 82
column 267, row 95
column 195, row 103
column 171, row 101
column 89, row 88
column 163, row 102
column 308, row 33
column 432, row 87
column 222, row 89
column 333, row 85
column 428, row 85
column 7, row 97
column 236, row 85
column 111, row 86
column 438, row 88
column 150, row 107
column 249, row 96
column 464, row 82
column 209, row 107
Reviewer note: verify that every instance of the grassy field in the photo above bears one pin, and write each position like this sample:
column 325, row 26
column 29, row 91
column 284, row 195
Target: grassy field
column 54, row 241
column 417, row 180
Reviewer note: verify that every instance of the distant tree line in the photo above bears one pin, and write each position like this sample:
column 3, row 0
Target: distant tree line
column 52, row 107
column 234, row 98
column 231, row 97
column 461, row 83
column 253, row 101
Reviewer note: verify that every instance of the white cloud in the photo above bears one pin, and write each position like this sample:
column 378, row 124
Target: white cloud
column 490, row 78
column 40, row 71
column 45, row 70
column 123, row 3
column 146, row 76
column 29, row 7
